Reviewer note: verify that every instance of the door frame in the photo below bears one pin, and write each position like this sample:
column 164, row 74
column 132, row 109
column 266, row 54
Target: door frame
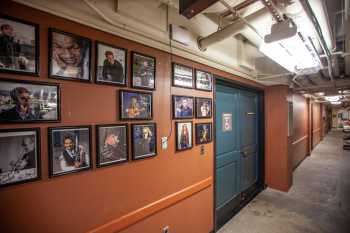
column 261, row 139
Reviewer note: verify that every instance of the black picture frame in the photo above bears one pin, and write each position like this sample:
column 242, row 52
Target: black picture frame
column 133, row 55
column 211, row 80
column 177, row 134
column 50, row 148
column 38, row 155
column 175, row 115
column 125, row 70
column 198, row 133
column 50, row 69
column 36, row 72
column 173, row 81
column 26, row 82
column 98, row 149
column 133, row 143
column 121, row 105
column 197, row 108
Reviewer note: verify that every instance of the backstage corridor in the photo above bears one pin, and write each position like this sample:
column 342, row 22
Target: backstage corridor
column 318, row 202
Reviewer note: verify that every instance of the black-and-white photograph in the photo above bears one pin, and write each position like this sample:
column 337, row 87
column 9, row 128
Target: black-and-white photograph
column 24, row 101
column 19, row 155
column 182, row 76
column 69, row 56
column 19, row 46
column 204, row 80
column 203, row 133
column 184, row 138
column 203, row 107
column 111, row 146
column 183, row 107
column 144, row 140
column 135, row 105
column 143, row 71
column 69, row 150
column 110, row 64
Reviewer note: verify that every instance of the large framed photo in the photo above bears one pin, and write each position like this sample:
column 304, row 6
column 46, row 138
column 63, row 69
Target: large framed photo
column 69, row 150
column 19, row 46
column 182, row 76
column 69, row 56
column 111, row 144
column 144, row 140
column 203, row 133
column 110, row 64
column 184, row 138
column 19, row 155
column 204, row 107
column 24, row 101
column 135, row 105
column 183, row 107
column 143, row 71
column 204, row 80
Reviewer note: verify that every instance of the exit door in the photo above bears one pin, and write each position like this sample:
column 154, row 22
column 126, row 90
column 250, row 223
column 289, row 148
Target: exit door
column 237, row 150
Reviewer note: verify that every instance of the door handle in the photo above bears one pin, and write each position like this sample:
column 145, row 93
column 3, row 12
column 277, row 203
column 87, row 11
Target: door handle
column 250, row 113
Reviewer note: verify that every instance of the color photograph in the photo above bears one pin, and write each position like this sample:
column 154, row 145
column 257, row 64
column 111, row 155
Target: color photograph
column 182, row 76
column 144, row 140
column 19, row 51
column 112, row 146
column 19, row 155
column 135, row 105
column 184, row 136
column 69, row 150
column 204, row 80
column 203, row 133
column 111, row 64
column 203, row 107
column 26, row 101
column 143, row 71
column 69, row 56
column 183, row 107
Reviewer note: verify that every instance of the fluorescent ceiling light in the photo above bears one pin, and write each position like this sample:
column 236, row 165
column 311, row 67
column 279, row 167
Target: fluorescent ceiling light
column 335, row 102
column 320, row 93
column 332, row 98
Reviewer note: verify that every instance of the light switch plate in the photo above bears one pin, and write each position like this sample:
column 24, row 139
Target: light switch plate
column 164, row 143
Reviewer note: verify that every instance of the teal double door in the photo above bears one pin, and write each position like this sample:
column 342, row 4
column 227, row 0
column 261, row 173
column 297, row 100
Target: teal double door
column 237, row 152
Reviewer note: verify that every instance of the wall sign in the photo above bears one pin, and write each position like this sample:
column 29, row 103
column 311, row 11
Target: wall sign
column 226, row 122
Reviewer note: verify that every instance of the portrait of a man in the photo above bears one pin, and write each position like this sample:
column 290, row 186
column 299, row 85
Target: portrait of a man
column 183, row 106
column 203, row 107
column 143, row 71
column 111, row 64
column 18, row 46
column 69, row 56
column 136, row 105
column 144, row 140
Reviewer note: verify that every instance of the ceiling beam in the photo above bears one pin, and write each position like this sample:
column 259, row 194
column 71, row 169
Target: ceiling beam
column 190, row 8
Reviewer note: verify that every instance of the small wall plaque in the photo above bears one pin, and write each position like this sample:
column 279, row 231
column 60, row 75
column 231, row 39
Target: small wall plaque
column 226, row 122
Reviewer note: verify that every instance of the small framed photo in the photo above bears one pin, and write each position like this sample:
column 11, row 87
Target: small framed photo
column 204, row 107
column 110, row 64
column 143, row 71
column 144, row 140
column 182, row 76
column 183, row 107
column 69, row 56
column 135, row 105
column 203, row 133
column 184, row 138
column 19, row 46
column 204, row 80
column 19, row 155
column 111, row 144
column 25, row 101
column 69, row 150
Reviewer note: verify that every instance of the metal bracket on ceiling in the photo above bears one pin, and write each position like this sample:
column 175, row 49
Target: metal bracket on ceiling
column 116, row 6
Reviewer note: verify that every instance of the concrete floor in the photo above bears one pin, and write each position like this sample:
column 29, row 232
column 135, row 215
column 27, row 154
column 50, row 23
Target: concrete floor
column 318, row 202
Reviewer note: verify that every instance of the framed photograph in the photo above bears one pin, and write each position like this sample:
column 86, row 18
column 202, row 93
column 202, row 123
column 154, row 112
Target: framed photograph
column 135, row 105
column 183, row 107
column 110, row 64
column 184, row 138
column 182, row 76
column 143, row 71
column 69, row 150
column 111, row 144
column 144, row 140
column 24, row 101
column 19, row 46
column 19, row 155
column 204, row 107
column 69, row 56
column 203, row 133
column 204, row 80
